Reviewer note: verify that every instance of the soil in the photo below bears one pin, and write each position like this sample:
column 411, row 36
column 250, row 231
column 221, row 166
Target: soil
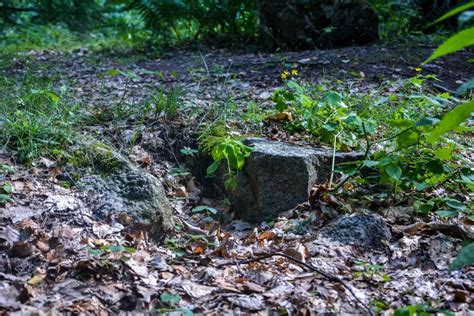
column 57, row 256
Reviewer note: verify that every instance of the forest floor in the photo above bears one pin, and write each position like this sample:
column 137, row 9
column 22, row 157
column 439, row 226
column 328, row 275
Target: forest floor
column 57, row 256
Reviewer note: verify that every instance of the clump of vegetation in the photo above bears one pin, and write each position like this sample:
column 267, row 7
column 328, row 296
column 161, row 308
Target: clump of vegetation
column 6, row 188
column 401, row 138
column 234, row 153
column 36, row 118
column 96, row 156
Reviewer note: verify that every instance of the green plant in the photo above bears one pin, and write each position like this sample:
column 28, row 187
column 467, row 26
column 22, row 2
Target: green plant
column 6, row 188
column 371, row 272
column 397, row 18
column 234, row 153
column 465, row 258
column 166, row 104
column 36, row 119
column 323, row 114
column 419, row 310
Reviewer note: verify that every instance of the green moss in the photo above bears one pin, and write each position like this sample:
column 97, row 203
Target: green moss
column 96, row 156
column 211, row 135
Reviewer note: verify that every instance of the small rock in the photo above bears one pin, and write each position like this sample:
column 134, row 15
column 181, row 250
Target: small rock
column 367, row 231
column 121, row 187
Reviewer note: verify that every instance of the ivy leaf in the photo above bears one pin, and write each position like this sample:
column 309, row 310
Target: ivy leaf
column 460, row 40
column 452, row 120
column 465, row 258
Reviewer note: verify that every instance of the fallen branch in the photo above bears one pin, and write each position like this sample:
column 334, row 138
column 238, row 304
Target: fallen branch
column 306, row 265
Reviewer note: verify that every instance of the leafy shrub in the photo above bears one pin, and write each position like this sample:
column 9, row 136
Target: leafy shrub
column 199, row 19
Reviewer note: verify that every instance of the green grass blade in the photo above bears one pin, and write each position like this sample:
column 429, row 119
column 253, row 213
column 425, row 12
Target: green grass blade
column 454, row 11
column 456, row 42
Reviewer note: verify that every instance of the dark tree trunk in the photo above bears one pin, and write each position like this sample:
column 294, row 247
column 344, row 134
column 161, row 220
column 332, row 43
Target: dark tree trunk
column 298, row 24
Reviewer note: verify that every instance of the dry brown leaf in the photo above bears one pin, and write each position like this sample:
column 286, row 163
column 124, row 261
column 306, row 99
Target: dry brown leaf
column 267, row 235
column 282, row 116
column 299, row 252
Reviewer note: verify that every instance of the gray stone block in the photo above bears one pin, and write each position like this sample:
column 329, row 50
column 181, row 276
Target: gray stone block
column 278, row 176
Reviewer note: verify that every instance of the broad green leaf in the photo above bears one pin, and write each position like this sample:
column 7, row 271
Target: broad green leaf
column 407, row 139
column 5, row 198
column 370, row 163
column 52, row 96
column 452, row 120
column 454, row 12
column 446, row 213
column 445, row 153
column 465, row 258
column 402, row 123
column 230, row 154
column 427, row 121
column 406, row 311
column 333, row 97
column 295, row 86
column 130, row 249
column 7, row 188
column 469, row 85
column 460, row 40
column 455, row 204
column 113, row 72
column 93, row 251
column 423, row 207
column 170, row 298
column 394, row 171
column 203, row 208
column 116, row 248
column 211, row 170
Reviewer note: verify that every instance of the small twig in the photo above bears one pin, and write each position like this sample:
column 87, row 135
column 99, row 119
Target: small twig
column 306, row 265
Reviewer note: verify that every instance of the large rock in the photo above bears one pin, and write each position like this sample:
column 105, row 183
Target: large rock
column 366, row 231
column 278, row 176
column 116, row 185
column 316, row 23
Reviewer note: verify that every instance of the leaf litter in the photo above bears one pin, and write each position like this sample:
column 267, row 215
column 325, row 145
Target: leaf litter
column 57, row 256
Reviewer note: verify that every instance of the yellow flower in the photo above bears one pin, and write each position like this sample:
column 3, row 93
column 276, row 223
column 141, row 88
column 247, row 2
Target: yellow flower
column 418, row 69
column 285, row 74
column 294, row 72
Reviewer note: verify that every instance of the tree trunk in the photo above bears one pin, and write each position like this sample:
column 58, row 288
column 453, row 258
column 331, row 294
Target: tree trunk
column 298, row 24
